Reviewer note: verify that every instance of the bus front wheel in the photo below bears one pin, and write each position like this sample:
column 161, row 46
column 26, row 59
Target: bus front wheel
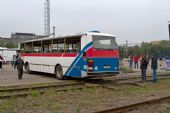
column 59, row 72
column 27, row 68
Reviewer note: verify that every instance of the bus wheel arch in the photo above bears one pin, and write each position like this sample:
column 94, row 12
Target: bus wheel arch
column 59, row 72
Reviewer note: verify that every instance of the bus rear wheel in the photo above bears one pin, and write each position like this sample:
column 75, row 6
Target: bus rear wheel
column 59, row 73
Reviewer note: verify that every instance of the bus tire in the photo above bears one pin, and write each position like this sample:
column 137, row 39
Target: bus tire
column 27, row 68
column 59, row 72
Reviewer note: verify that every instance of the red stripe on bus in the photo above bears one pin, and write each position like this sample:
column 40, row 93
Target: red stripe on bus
column 49, row 54
column 102, row 53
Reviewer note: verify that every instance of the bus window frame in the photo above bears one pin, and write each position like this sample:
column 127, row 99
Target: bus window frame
column 67, row 45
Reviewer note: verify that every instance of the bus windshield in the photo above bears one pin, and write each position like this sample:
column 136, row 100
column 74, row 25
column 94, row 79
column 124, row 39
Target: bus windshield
column 104, row 42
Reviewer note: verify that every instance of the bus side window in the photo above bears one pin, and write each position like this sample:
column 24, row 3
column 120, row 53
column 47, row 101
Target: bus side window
column 74, row 51
column 60, row 48
column 53, row 48
column 28, row 48
column 22, row 49
column 72, row 45
column 78, row 47
column 46, row 49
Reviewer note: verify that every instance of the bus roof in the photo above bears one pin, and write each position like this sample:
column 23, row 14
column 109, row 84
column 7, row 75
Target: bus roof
column 69, row 36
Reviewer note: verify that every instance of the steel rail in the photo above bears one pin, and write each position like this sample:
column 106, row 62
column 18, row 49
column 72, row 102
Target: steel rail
column 124, row 81
column 130, row 107
column 24, row 94
column 138, row 76
column 11, row 89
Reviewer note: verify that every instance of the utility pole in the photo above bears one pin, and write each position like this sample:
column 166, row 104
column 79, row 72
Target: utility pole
column 126, row 48
column 47, row 18
column 53, row 31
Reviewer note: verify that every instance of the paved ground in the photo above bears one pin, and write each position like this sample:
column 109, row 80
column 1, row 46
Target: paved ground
column 8, row 76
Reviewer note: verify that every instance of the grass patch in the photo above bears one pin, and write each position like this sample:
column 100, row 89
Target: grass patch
column 35, row 93
column 78, row 110
column 167, row 110
column 136, row 90
column 149, row 87
column 126, row 70
column 82, row 101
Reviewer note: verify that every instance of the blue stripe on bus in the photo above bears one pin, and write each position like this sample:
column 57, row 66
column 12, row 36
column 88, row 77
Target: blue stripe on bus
column 98, row 66
column 100, row 63
column 77, row 60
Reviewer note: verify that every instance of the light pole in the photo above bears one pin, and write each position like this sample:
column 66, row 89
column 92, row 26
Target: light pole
column 126, row 49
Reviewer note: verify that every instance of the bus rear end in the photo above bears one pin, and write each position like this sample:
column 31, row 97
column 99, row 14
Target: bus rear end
column 101, row 58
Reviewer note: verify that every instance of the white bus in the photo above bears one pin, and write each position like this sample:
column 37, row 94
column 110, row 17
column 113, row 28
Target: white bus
column 81, row 55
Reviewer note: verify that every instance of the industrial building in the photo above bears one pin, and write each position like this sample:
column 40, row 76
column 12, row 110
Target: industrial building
column 25, row 36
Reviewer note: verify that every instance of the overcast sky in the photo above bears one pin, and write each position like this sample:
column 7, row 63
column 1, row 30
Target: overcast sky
column 132, row 20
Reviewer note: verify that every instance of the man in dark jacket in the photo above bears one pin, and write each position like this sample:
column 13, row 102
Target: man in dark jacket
column 154, row 66
column 1, row 59
column 143, row 66
column 20, row 64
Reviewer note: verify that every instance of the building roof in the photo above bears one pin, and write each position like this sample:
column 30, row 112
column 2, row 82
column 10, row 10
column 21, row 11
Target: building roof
column 28, row 34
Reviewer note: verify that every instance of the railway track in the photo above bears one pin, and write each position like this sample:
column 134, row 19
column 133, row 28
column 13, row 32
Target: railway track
column 134, row 106
column 114, row 83
column 25, row 91
column 27, row 87
column 136, row 81
column 24, row 94
column 139, row 77
column 18, row 91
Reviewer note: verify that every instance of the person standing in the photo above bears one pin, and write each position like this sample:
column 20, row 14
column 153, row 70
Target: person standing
column 161, row 61
column 20, row 64
column 130, row 61
column 154, row 66
column 135, row 59
column 1, row 59
column 14, row 61
column 143, row 66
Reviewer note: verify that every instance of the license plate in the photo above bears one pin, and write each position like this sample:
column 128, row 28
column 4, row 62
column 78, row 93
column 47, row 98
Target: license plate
column 106, row 67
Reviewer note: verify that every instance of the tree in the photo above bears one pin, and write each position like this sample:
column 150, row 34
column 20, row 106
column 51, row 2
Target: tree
column 162, row 49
